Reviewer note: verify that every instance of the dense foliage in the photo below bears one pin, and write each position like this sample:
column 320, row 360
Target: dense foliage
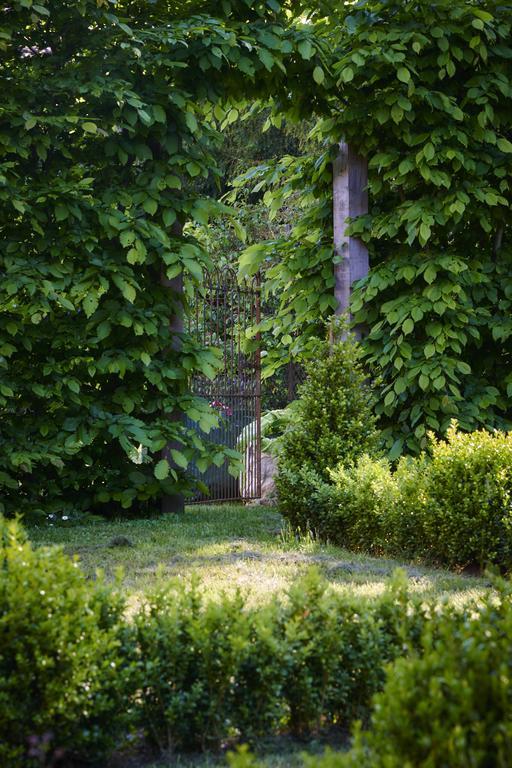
column 424, row 91
column 333, row 422
column 77, row 674
column 451, row 504
column 212, row 671
column 108, row 122
column 444, row 706
column 65, row 670
column 449, row 705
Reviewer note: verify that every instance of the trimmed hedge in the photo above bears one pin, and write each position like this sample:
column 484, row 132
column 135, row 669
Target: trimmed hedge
column 448, row 704
column 216, row 671
column 76, row 675
column 66, row 672
column 451, row 505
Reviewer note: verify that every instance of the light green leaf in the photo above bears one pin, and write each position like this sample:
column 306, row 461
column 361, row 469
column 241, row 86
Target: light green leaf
column 504, row 144
column 150, row 206
column 179, row 458
column 161, row 470
column 127, row 237
column 318, row 75
column 305, row 49
column 126, row 289
column 90, row 304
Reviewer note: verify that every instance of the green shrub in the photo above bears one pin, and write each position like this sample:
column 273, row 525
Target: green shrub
column 215, row 671
column 363, row 495
column 451, row 705
column 210, row 670
column 335, row 656
column 190, row 654
column 334, row 422
column 468, row 515
column 452, row 505
column 65, row 673
column 305, row 498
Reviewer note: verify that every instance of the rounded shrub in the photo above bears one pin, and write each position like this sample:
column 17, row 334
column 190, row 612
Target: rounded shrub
column 450, row 705
column 65, row 670
column 363, row 495
column 466, row 517
column 451, row 505
column 334, row 422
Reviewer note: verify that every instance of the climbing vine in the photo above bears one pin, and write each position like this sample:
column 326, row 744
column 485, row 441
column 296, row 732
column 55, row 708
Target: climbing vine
column 424, row 91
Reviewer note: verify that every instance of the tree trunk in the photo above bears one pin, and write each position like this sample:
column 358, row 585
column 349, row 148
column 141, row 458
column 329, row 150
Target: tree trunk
column 175, row 503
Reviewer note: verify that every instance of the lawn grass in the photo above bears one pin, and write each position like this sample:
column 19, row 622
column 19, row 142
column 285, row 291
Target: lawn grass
column 248, row 547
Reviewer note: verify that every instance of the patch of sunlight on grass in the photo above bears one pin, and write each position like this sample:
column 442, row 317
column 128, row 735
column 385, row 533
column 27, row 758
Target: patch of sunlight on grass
column 236, row 547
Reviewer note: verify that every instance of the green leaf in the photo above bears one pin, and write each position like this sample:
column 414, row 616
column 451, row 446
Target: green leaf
column 318, row 75
column 150, row 206
column 408, row 326
column 161, row 470
column 90, row 304
column 179, row 458
column 89, row 127
column 389, row 399
column 504, row 144
column 173, row 182
column 126, row 289
column 424, row 233
column 403, row 74
column 169, row 217
column 347, row 74
column 127, row 237
column 400, row 385
column 61, row 212
column 429, row 151
column 397, row 113
column 159, row 114
column 305, row 49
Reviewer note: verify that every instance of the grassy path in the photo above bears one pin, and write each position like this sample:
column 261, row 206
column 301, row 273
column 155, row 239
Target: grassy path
column 234, row 546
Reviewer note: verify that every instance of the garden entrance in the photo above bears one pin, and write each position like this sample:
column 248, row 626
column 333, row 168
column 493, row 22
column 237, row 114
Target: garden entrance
column 222, row 312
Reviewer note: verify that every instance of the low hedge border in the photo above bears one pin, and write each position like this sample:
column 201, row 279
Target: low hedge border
column 77, row 676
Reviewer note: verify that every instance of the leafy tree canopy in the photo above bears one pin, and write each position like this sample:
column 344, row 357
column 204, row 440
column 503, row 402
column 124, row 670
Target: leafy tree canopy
column 109, row 116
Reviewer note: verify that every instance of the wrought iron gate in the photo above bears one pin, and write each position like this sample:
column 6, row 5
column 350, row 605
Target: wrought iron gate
column 222, row 311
